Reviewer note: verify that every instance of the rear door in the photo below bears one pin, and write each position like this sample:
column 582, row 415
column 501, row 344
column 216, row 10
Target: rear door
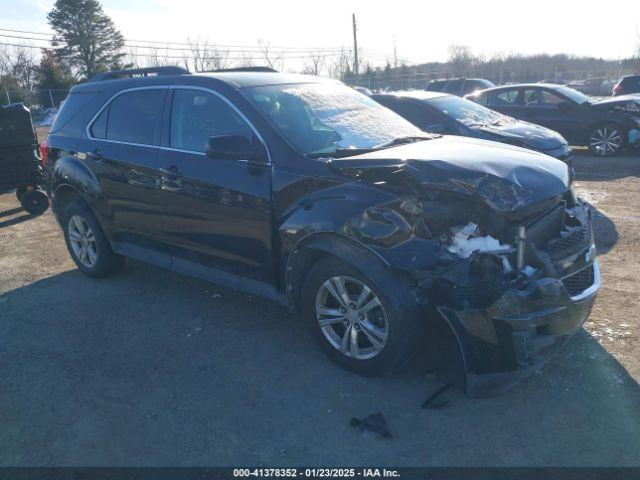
column 121, row 149
column 216, row 212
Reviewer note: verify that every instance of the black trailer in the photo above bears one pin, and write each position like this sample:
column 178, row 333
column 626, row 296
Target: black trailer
column 19, row 161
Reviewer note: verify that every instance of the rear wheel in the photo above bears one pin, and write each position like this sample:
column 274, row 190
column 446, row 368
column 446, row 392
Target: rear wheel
column 354, row 322
column 87, row 243
column 606, row 140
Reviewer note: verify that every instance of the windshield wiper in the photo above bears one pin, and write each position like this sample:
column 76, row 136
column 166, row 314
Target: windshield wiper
column 348, row 152
column 404, row 140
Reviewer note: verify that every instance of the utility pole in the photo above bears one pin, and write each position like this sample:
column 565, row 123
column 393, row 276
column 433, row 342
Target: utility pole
column 355, row 45
column 395, row 53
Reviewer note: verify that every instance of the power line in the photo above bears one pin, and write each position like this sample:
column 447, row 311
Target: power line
column 246, row 49
column 157, row 43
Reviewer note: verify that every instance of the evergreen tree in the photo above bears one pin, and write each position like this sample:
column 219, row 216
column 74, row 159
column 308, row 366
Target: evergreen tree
column 54, row 80
column 89, row 41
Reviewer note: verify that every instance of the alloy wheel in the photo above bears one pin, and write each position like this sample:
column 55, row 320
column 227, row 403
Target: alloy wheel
column 352, row 317
column 606, row 141
column 83, row 241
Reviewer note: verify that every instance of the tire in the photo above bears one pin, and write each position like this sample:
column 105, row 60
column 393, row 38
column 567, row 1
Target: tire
column 34, row 202
column 606, row 140
column 402, row 328
column 87, row 243
column 20, row 191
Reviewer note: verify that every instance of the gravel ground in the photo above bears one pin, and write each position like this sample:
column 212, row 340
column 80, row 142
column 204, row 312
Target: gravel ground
column 153, row 368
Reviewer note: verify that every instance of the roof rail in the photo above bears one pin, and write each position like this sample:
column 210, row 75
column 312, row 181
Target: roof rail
column 244, row 69
column 138, row 72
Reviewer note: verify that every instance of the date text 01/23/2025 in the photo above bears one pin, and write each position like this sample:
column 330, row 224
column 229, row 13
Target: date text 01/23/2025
column 315, row 473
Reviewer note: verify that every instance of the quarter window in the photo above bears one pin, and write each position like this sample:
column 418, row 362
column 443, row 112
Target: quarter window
column 198, row 115
column 99, row 127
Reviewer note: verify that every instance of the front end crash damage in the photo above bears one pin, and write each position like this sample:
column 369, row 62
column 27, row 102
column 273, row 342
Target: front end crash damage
column 513, row 278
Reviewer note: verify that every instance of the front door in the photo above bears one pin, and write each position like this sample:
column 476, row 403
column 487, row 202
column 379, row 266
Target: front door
column 216, row 212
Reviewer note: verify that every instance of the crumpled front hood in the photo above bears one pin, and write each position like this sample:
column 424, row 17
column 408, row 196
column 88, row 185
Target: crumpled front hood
column 625, row 103
column 533, row 136
column 507, row 178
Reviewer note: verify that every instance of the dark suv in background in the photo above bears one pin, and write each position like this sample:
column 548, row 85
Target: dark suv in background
column 309, row 193
column 459, row 86
column 627, row 85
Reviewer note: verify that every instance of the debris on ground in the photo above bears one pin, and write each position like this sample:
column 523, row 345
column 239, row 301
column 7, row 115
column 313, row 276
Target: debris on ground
column 433, row 402
column 375, row 426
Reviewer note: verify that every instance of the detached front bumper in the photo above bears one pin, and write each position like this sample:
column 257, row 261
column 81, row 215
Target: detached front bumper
column 518, row 333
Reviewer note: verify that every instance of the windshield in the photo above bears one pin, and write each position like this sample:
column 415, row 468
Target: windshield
column 467, row 112
column 574, row 95
column 324, row 118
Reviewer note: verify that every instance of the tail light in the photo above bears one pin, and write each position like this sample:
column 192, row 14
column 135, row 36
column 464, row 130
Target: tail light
column 44, row 153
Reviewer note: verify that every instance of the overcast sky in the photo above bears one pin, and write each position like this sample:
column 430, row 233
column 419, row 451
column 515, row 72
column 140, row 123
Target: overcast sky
column 422, row 29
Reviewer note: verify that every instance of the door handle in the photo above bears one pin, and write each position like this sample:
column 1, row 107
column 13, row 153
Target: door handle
column 171, row 180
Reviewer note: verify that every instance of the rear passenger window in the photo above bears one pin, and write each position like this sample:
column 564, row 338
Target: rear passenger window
column 198, row 115
column 505, row 98
column 134, row 116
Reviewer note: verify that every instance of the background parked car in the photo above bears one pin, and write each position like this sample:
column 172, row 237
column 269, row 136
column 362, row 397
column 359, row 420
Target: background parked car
column 627, row 85
column 605, row 126
column 459, row 86
column 442, row 113
column 599, row 87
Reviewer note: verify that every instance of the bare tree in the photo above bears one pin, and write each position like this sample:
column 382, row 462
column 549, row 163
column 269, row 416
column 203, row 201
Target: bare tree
column 153, row 56
column 273, row 60
column 460, row 58
column 18, row 73
column 314, row 64
column 207, row 56
column 340, row 65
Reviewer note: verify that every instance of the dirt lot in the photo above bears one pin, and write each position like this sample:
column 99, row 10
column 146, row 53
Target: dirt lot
column 153, row 368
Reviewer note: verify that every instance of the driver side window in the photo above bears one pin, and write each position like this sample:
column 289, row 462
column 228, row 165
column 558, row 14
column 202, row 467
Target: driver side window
column 197, row 115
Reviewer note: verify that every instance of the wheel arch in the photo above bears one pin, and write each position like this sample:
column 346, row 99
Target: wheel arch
column 62, row 195
column 313, row 248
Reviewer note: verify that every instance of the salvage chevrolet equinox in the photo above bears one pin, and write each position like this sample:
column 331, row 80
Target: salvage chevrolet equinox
column 307, row 192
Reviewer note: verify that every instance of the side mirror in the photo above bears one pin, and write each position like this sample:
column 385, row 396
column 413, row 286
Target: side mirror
column 564, row 106
column 235, row 147
column 436, row 128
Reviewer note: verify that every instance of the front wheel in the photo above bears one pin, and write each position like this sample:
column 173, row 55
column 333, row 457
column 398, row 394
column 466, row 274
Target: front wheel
column 354, row 322
column 606, row 140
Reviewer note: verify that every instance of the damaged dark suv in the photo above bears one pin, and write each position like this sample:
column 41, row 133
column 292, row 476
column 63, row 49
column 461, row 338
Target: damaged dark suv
column 312, row 194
